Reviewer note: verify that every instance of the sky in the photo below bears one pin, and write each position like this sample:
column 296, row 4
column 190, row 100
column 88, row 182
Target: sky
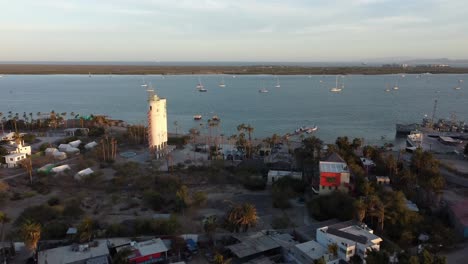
column 237, row 30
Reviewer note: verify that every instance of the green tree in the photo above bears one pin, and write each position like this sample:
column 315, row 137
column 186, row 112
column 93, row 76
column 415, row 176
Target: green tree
column 85, row 230
column 360, row 209
column 320, row 261
column 377, row 257
column 31, row 234
column 219, row 259
column 241, row 217
column 182, row 197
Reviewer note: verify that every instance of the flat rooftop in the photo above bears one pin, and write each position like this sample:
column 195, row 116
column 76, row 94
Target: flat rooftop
column 336, row 167
column 253, row 244
column 74, row 253
column 312, row 249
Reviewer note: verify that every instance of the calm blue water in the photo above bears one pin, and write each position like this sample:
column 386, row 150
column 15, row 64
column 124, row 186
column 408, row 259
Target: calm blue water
column 363, row 109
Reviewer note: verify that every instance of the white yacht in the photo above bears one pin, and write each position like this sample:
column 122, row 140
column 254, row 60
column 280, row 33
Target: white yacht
column 200, row 85
column 336, row 89
column 278, row 85
column 222, row 84
column 414, row 139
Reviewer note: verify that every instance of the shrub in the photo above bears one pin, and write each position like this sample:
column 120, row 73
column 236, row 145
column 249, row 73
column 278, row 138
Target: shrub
column 53, row 201
column 153, row 199
column 40, row 214
column 29, row 138
column 96, row 131
column 335, row 205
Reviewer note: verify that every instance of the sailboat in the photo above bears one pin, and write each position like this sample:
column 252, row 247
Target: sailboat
column 459, row 85
column 336, row 89
column 396, row 86
column 200, row 86
column 387, row 89
column 278, row 85
column 144, row 83
column 222, row 84
column 263, row 90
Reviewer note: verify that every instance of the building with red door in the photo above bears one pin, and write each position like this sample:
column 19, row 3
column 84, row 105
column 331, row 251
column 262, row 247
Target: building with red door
column 150, row 251
column 334, row 175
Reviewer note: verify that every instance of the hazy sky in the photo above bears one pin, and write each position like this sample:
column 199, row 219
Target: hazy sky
column 237, row 30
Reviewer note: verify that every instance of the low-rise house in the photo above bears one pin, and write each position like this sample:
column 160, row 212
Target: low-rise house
column 251, row 246
column 13, row 160
column 274, row 175
column 311, row 251
column 95, row 252
column 150, row 251
column 350, row 239
column 18, row 148
column 334, row 175
column 7, row 136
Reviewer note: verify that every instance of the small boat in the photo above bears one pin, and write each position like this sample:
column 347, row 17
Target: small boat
column 263, row 90
column 387, row 89
column 457, row 88
column 396, row 86
column 311, row 129
column 200, row 85
column 336, row 89
column 202, row 90
column 144, row 85
column 89, row 74
column 197, row 117
column 222, row 84
column 278, row 85
column 215, row 118
column 414, row 139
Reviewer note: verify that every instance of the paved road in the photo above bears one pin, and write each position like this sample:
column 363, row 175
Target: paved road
column 453, row 178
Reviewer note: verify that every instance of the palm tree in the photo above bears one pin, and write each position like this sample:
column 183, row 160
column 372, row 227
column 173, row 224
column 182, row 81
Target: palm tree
column 64, row 117
column 39, row 118
column 241, row 217
column 31, row 233
column 379, row 212
column 72, row 115
column 86, row 229
column 360, row 209
column 333, row 249
column 31, row 120
column 219, row 259
column 176, row 125
column 3, row 219
column 1, row 117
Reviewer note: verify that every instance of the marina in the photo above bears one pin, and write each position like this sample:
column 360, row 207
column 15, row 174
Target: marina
column 362, row 110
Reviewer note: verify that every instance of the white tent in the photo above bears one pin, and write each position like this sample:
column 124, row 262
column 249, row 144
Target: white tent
column 72, row 150
column 61, row 168
column 83, row 173
column 63, row 147
column 91, row 145
column 75, row 143
column 50, row 151
column 59, row 155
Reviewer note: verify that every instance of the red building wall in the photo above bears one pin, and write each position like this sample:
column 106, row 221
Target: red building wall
column 142, row 259
column 330, row 179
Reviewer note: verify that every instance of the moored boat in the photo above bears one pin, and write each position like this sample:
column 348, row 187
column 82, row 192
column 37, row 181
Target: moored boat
column 197, row 117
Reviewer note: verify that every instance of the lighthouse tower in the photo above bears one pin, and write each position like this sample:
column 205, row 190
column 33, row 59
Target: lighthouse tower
column 157, row 124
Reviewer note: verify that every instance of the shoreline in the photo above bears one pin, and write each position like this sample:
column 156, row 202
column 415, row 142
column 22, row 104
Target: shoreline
column 51, row 69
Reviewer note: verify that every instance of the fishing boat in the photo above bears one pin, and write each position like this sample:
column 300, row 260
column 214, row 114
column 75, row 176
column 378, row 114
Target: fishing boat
column 311, row 129
column 336, row 89
column 222, row 84
column 197, row 117
column 414, row 139
column 278, row 85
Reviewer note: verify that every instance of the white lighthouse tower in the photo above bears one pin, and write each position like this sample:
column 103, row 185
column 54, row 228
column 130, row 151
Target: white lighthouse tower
column 157, row 124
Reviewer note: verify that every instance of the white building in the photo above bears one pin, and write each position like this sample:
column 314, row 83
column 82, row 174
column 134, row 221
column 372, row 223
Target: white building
column 18, row 148
column 350, row 239
column 12, row 160
column 310, row 251
column 157, row 124
column 93, row 252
